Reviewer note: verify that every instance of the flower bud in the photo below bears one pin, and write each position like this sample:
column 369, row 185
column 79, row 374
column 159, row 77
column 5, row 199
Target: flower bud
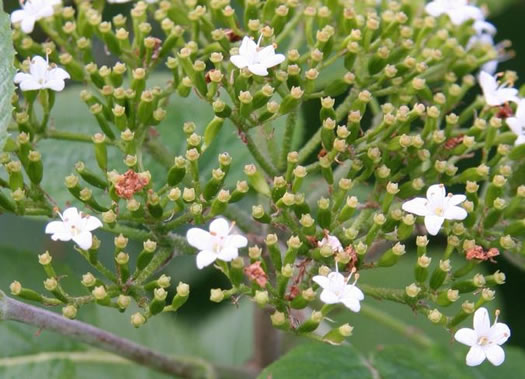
column 137, row 319
column 216, row 295
column 69, row 311
column 412, row 290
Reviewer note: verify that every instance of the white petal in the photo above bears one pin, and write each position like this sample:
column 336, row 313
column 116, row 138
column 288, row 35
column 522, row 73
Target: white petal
column 273, row 60
column 487, row 82
column 433, row 224
column 436, row 193
column 499, row 333
column 38, row 67
column 455, row 213
column 237, row 241
column 508, row 94
column 321, row 280
column 520, row 113
column 352, row 304
column 336, row 280
column 71, row 214
column 265, row 53
column 495, row 354
column 482, row 322
column 21, row 76
column 205, row 258
column 456, row 199
column 28, row 24
column 220, row 227
column 228, row 254
column 513, row 122
column 199, row 239
column 30, row 84
column 520, row 140
column 475, row 356
column 239, row 61
column 58, row 74
column 56, row 227
column 328, row 297
column 84, row 240
column 491, row 66
column 17, row 16
column 466, row 336
column 248, row 48
column 55, row 85
column 417, row 206
column 92, row 223
column 258, row 69
column 435, row 9
column 44, row 12
column 353, row 292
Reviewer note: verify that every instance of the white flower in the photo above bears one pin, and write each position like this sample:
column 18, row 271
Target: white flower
column 218, row 243
column 484, row 340
column 257, row 59
column 437, row 207
column 485, row 33
column 496, row 95
column 517, row 123
column 75, row 226
column 337, row 290
column 41, row 76
column 457, row 10
column 331, row 241
column 32, row 11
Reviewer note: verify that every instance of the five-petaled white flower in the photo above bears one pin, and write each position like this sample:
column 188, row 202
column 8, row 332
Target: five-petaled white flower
column 495, row 94
column 331, row 241
column 257, row 59
column 517, row 123
column 459, row 11
column 484, row 340
column 437, row 207
column 41, row 76
column 31, row 12
column 337, row 290
column 218, row 243
column 76, row 226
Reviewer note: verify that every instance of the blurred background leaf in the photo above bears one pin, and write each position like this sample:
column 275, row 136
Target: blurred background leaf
column 7, row 73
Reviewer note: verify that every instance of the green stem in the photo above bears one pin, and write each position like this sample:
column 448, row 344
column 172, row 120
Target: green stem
column 287, row 139
column 15, row 310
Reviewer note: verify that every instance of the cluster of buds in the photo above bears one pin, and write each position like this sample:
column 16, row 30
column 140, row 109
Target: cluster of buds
column 391, row 81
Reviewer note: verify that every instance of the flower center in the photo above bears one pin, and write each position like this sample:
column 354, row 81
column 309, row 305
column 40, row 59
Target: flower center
column 439, row 211
column 483, row 341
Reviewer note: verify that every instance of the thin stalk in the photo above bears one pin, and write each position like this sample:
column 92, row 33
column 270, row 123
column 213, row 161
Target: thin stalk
column 15, row 310
column 287, row 139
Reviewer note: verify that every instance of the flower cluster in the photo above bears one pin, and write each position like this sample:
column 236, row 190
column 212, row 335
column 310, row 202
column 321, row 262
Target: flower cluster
column 390, row 82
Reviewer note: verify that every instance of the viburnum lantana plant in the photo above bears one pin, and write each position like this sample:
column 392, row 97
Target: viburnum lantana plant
column 391, row 80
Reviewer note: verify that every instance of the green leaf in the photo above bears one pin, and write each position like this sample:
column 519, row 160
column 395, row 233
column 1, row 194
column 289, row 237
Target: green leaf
column 319, row 361
column 7, row 72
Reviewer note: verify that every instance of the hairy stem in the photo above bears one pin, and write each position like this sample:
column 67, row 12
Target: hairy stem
column 15, row 310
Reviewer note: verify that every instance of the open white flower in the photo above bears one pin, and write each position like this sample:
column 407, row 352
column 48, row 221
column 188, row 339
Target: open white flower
column 76, row 226
column 484, row 340
column 337, row 290
column 257, row 59
column 218, row 243
column 331, row 241
column 517, row 123
column 437, row 207
column 457, row 10
column 31, row 12
column 495, row 94
column 42, row 76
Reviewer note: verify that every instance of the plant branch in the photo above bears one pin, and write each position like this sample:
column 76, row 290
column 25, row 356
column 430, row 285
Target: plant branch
column 15, row 310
